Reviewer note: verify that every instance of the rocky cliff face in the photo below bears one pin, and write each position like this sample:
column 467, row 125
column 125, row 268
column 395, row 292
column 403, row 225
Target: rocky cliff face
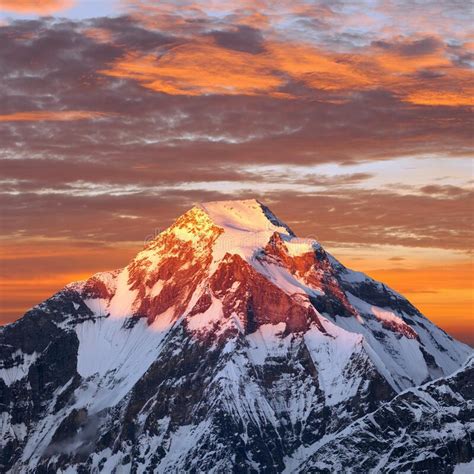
column 227, row 345
column 425, row 429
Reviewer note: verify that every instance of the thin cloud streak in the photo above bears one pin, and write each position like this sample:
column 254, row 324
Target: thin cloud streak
column 51, row 115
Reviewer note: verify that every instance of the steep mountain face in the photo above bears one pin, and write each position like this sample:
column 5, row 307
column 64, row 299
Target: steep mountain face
column 424, row 429
column 227, row 345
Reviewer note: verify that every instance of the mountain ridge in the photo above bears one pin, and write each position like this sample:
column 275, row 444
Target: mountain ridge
column 446, row 405
column 224, row 330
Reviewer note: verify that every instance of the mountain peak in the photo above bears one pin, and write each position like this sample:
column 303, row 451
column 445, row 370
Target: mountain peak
column 237, row 227
column 248, row 215
column 224, row 331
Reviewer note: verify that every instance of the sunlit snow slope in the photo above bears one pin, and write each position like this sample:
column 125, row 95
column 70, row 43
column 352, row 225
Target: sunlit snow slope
column 228, row 343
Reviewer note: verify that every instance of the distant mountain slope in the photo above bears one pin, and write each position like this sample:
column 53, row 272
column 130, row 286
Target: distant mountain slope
column 227, row 344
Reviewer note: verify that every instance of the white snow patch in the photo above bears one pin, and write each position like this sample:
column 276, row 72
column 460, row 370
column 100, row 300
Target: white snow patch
column 115, row 357
column 186, row 234
column 121, row 304
column 297, row 246
column 400, row 356
column 9, row 429
column 267, row 341
column 246, row 215
column 385, row 315
column 286, row 281
column 246, row 228
column 464, row 468
column 99, row 306
column 19, row 371
column 156, row 288
column 332, row 353
column 207, row 319
column 352, row 276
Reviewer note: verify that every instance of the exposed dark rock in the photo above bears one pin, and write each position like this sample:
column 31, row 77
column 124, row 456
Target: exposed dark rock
column 426, row 429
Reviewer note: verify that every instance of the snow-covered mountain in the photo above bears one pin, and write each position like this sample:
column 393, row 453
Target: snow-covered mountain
column 424, row 429
column 226, row 345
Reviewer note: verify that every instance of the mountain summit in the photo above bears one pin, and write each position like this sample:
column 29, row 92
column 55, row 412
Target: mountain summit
column 227, row 344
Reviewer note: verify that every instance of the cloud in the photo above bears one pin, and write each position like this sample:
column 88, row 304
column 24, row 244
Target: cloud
column 444, row 190
column 418, row 47
column 198, row 69
column 386, row 218
column 43, row 7
column 124, row 32
column 245, row 107
column 449, row 99
column 326, row 22
column 206, row 67
column 51, row 115
column 233, row 63
column 240, row 38
column 335, row 216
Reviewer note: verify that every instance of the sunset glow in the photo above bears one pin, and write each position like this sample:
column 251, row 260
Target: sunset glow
column 352, row 121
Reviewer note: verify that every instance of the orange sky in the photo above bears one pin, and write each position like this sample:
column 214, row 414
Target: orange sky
column 352, row 121
column 445, row 294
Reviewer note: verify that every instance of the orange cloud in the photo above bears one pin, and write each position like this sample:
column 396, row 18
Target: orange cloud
column 204, row 67
column 51, row 115
column 39, row 7
column 398, row 64
column 317, row 69
column 200, row 69
column 100, row 35
column 445, row 84
column 434, row 97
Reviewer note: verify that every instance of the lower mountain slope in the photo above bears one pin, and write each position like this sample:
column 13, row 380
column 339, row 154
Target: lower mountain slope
column 425, row 429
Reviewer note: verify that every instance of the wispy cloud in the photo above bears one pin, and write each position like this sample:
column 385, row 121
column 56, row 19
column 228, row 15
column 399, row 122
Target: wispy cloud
column 51, row 115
